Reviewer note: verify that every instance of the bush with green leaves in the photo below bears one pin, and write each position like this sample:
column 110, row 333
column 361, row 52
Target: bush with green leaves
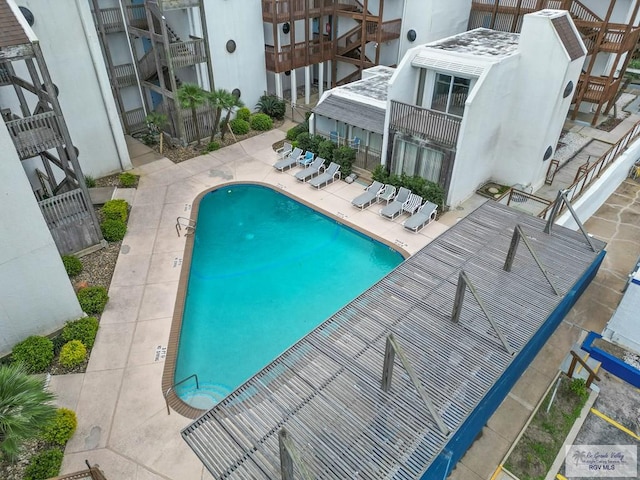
column 115, row 210
column 25, row 405
column 344, row 156
column 89, row 181
column 61, row 428
column 72, row 354
column 239, row 126
column 427, row 190
column 272, row 106
column 326, row 149
column 261, row 122
column 310, row 142
column 127, row 180
column 211, row 147
column 93, row 299
column 72, row 265
column 244, row 114
column 113, row 230
column 43, row 465
column 83, row 329
column 34, row 352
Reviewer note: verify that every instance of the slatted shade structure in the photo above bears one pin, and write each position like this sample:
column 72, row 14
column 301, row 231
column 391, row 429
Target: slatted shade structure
column 326, row 389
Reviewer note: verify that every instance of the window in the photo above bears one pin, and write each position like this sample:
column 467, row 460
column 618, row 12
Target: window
column 414, row 158
column 450, row 93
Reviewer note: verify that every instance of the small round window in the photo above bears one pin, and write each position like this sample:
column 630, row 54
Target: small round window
column 231, row 46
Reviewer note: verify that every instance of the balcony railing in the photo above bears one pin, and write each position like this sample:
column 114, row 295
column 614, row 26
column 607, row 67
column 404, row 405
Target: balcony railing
column 137, row 16
column 598, row 88
column 187, row 53
column 301, row 55
column 135, row 120
column 111, row 19
column 283, row 10
column 5, row 78
column 389, row 30
column 125, row 75
column 35, row 134
column 437, row 126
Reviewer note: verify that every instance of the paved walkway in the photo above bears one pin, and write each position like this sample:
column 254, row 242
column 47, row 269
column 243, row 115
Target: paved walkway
column 123, row 423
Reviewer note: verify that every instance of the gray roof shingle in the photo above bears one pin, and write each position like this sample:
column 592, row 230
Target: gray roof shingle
column 367, row 117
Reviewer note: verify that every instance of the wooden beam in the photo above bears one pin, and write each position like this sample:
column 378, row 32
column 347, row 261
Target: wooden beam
column 16, row 52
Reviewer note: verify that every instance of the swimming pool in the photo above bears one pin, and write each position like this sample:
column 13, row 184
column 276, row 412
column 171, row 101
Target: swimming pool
column 265, row 271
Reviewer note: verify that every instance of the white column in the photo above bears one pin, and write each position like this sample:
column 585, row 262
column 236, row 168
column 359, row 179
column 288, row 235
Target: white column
column 320, row 79
column 329, row 73
column 278, row 80
column 294, row 88
column 307, row 85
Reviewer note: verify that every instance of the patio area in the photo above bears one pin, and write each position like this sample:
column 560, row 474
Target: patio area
column 122, row 419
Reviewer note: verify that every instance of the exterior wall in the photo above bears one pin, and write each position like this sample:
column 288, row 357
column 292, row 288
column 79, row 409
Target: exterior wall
column 75, row 60
column 537, row 108
column 245, row 68
column 432, row 21
column 37, row 296
column 481, row 134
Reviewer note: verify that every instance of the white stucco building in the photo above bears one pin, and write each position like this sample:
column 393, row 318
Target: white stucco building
column 481, row 105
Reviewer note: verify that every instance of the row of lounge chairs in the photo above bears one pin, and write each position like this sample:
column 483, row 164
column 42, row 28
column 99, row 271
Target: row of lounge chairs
column 314, row 172
column 397, row 204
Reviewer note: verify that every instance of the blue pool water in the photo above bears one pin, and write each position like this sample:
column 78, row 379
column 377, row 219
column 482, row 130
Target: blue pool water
column 265, row 271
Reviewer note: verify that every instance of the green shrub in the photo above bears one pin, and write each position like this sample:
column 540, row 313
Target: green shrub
column 243, row 114
column 44, row 465
column 83, row 329
column 427, row 190
column 93, row 300
column 61, row 428
column 89, row 181
column 310, row 142
column 127, row 180
column 272, row 106
column 113, row 230
column 115, row 210
column 261, row 122
column 579, row 387
column 239, row 126
column 72, row 265
column 72, row 354
column 34, row 352
column 211, row 147
column 344, row 156
column 326, row 149
column 293, row 132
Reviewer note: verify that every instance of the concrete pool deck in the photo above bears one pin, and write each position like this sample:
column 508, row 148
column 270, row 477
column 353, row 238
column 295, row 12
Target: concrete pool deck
column 122, row 420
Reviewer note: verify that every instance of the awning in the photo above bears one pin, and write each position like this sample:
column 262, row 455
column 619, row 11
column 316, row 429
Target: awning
column 367, row 117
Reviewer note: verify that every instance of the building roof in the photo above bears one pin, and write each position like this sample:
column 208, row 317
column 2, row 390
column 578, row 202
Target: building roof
column 569, row 38
column 481, row 42
column 325, row 390
column 363, row 115
column 11, row 31
column 361, row 103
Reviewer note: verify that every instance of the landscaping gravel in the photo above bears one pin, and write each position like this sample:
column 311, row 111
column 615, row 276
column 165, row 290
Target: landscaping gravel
column 97, row 267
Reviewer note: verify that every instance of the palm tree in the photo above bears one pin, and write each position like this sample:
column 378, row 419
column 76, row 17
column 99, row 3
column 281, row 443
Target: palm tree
column 192, row 96
column 231, row 103
column 25, row 407
column 218, row 99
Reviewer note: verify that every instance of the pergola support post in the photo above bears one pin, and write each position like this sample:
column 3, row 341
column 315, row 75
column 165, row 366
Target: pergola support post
column 518, row 235
column 562, row 196
column 463, row 283
column 392, row 348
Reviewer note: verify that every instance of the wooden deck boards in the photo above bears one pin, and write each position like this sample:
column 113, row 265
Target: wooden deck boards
column 326, row 391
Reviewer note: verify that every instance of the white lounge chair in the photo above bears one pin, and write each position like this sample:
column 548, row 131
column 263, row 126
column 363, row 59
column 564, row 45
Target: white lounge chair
column 284, row 150
column 311, row 171
column 330, row 174
column 412, row 204
column 393, row 209
column 425, row 214
column 387, row 193
column 369, row 197
column 290, row 161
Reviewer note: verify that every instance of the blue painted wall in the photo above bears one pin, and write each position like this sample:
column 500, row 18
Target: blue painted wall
column 610, row 363
column 466, row 434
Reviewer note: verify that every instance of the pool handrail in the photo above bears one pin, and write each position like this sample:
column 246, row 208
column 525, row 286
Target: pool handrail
column 172, row 387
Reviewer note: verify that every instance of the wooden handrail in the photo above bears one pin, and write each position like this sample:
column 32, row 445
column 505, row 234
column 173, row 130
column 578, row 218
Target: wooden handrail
column 576, row 358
